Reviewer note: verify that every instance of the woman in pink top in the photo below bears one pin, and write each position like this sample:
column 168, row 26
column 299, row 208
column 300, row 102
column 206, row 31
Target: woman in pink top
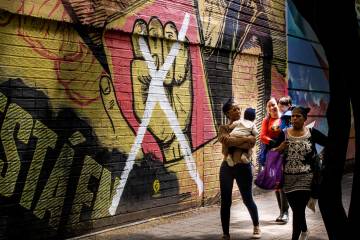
column 270, row 131
column 270, row 127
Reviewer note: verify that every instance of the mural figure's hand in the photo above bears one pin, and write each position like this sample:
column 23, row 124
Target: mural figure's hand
column 117, row 122
column 109, row 101
column 177, row 83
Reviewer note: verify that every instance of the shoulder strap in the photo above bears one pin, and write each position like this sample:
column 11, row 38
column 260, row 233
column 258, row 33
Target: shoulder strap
column 310, row 130
column 286, row 133
column 312, row 141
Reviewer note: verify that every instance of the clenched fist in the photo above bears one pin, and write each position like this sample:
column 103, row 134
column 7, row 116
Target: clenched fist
column 177, row 83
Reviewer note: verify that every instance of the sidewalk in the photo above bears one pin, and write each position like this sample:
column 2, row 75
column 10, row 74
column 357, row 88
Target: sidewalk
column 205, row 223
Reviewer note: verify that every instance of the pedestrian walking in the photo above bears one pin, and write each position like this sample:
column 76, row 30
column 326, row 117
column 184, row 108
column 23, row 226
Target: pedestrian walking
column 270, row 132
column 298, row 145
column 241, row 172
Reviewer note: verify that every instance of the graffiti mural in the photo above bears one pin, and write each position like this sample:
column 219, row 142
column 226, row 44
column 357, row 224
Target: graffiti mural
column 308, row 72
column 110, row 108
column 234, row 35
column 56, row 170
column 343, row 99
column 243, row 53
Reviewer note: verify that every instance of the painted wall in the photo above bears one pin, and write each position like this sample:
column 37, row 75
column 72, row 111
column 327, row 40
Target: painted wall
column 109, row 110
column 308, row 75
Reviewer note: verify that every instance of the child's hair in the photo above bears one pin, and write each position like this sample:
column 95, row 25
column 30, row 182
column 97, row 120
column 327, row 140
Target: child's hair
column 286, row 101
column 250, row 114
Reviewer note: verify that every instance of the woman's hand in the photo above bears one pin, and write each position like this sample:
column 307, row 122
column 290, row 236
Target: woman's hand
column 251, row 140
column 281, row 147
column 248, row 142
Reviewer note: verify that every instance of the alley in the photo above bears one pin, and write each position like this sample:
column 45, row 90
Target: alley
column 205, row 223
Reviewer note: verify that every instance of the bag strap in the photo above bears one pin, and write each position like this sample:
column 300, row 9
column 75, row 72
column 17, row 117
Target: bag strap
column 316, row 164
column 312, row 141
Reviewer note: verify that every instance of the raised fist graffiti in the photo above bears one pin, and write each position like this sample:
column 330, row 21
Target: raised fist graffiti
column 177, row 82
column 161, row 94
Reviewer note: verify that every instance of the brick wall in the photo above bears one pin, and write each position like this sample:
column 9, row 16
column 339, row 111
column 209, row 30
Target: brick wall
column 109, row 110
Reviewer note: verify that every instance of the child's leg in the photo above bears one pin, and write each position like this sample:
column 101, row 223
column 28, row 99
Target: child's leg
column 229, row 156
column 229, row 160
column 237, row 155
column 246, row 155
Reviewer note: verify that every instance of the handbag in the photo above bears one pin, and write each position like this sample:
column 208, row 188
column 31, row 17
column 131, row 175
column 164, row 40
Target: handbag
column 271, row 176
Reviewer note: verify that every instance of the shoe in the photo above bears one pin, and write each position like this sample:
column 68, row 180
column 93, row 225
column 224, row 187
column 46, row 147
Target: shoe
column 225, row 237
column 256, row 233
column 304, row 235
column 283, row 218
column 278, row 219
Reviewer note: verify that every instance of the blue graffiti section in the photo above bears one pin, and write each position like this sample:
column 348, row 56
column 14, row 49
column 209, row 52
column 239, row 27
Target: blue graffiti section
column 307, row 77
column 307, row 68
column 297, row 25
column 305, row 52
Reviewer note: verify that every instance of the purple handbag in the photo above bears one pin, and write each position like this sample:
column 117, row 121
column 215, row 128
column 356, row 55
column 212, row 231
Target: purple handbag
column 271, row 176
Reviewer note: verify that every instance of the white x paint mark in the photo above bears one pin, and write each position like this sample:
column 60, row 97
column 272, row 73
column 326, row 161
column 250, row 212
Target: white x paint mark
column 156, row 94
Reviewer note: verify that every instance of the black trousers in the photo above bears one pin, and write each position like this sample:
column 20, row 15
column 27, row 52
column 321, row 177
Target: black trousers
column 282, row 201
column 298, row 201
column 242, row 173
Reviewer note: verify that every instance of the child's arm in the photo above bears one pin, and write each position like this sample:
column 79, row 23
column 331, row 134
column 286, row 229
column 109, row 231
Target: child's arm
column 254, row 131
column 230, row 141
column 234, row 124
column 236, row 134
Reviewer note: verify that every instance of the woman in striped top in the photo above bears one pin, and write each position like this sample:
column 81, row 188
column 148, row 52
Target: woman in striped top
column 298, row 144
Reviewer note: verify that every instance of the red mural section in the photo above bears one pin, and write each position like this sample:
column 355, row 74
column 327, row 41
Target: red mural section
column 201, row 124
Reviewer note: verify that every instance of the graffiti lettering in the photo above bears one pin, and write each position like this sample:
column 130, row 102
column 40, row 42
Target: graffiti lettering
column 52, row 198
column 15, row 116
column 19, row 126
column 46, row 138
column 83, row 195
column 104, row 194
column 3, row 101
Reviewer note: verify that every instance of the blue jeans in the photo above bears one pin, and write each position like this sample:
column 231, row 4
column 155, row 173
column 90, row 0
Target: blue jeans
column 242, row 173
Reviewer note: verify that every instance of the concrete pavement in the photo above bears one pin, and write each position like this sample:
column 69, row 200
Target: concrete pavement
column 204, row 223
